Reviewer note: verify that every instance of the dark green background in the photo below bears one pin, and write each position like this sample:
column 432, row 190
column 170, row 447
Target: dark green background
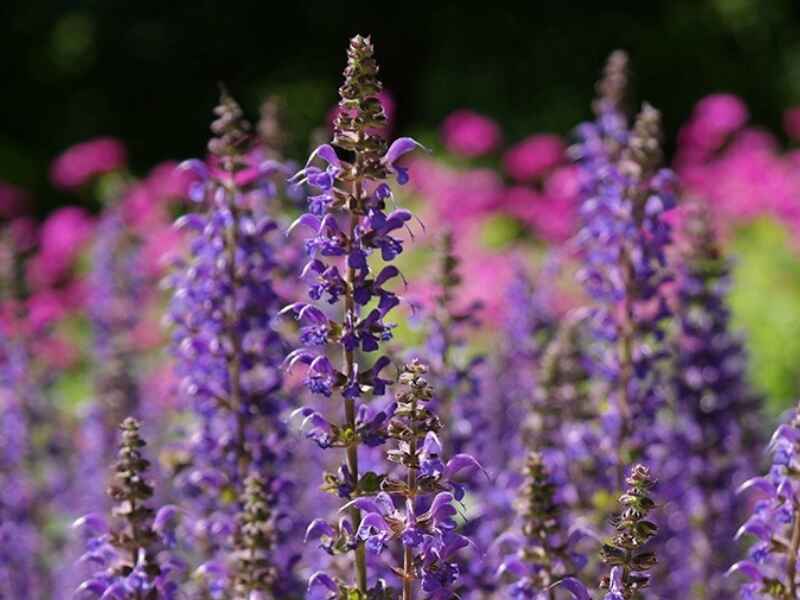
column 147, row 71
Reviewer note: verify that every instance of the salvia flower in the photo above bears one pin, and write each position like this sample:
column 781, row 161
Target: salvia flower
column 713, row 446
column 624, row 238
column 770, row 571
column 423, row 517
column 630, row 563
column 495, row 402
column 455, row 374
column 131, row 554
column 21, row 544
column 544, row 552
column 254, row 543
column 348, row 223
column 228, row 353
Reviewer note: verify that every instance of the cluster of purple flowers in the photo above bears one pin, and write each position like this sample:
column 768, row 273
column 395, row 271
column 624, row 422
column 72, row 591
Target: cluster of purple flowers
column 228, row 351
column 348, row 222
column 624, row 239
column 131, row 556
column 20, row 569
column 644, row 380
column 771, row 568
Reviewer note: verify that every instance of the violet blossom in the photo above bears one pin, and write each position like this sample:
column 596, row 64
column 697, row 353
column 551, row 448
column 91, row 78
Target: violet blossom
column 228, row 351
column 348, row 223
column 130, row 555
column 770, row 571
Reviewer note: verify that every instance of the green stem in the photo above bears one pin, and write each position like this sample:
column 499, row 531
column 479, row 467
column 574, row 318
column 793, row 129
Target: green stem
column 349, row 405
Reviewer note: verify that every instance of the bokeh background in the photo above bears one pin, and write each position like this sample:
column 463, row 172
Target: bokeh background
column 102, row 99
column 147, row 73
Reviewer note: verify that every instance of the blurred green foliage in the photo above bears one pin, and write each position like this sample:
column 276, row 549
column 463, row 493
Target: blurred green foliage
column 765, row 298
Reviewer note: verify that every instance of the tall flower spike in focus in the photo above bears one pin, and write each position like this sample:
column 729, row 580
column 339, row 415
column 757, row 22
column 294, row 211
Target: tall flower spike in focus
column 771, row 568
column 544, row 553
column 424, row 522
column 130, row 553
column 228, row 354
column 630, row 563
column 348, row 223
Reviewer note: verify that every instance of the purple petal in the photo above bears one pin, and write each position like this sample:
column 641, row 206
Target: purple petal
column 758, row 483
column 317, row 528
column 363, row 504
column 374, row 521
column 321, row 578
column 399, row 147
column 198, row 167
column 306, row 219
column 327, row 153
column 574, row 587
column 460, row 462
column 748, row 568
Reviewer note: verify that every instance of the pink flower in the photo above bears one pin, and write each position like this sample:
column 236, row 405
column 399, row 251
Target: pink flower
column 720, row 114
column 552, row 214
column 45, row 308
column 66, row 231
column 167, row 182
column 56, row 352
column 13, row 200
column 713, row 120
column 457, row 198
column 80, row 163
column 533, row 156
column 62, row 237
column 470, row 134
column 160, row 247
column 488, row 275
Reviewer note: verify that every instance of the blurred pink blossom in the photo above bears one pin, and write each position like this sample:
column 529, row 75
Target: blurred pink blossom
column 455, row 197
column 470, row 134
column 533, row 156
column 713, row 120
column 551, row 213
column 80, row 163
column 148, row 334
column 160, row 247
column 488, row 275
column 147, row 203
column 45, row 308
column 167, row 182
column 61, row 238
column 66, row 231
